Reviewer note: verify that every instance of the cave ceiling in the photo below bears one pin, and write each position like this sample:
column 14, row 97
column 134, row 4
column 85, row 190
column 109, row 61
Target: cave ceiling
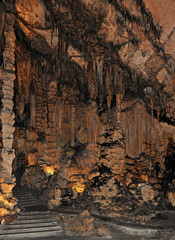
column 133, row 36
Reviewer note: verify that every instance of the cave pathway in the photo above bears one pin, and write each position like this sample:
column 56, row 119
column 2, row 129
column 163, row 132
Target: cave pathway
column 33, row 221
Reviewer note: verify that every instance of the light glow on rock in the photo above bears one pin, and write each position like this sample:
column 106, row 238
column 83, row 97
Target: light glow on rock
column 79, row 187
column 49, row 170
column 78, row 183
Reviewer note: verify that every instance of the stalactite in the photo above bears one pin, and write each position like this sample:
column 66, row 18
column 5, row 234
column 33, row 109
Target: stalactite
column 152, row 125
column 158, row 113
column 32, row 105
column 95, row 81
column 115, row 78
column 60, row 118
column 141, row 131
column 94, row 131
column 2, row 21
column 99, row 63
column 135, row 137
column 51, row 35
column 109, row 89
column 43, row 72
column 118, row 94
column 60, row 51
column 128, row 136
column 164, row 142
column 123, row 83
column 73, row 124
column 90, row 78
column 152, row 106
column 92, row 125
column 52, row 30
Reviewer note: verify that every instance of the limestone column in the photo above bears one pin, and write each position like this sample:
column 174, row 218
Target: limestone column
column 7, row 115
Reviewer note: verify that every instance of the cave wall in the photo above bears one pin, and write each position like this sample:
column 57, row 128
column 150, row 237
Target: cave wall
column 59, row 128
column 94, row 89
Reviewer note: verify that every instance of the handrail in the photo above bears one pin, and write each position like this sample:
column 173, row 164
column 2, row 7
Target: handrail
column 43, row 201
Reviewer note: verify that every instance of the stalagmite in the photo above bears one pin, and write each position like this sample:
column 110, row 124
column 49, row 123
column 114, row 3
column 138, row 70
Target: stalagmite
column 7, row 114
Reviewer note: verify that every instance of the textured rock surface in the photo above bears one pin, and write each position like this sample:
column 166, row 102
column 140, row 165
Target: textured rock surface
column 7, row 114
column 94, row 99
column 34, row 178
column 82, row 224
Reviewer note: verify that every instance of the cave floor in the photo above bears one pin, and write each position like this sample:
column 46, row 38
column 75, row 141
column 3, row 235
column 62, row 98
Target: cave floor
column 165, row 230
column 109, row 230
column 163, row 225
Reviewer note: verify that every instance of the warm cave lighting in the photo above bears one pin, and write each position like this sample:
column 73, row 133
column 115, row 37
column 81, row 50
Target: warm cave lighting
column 49, row 170
column 79, row 187
column 144, row 179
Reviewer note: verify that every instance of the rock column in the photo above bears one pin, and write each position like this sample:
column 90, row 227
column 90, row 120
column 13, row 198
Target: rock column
column 7, row 115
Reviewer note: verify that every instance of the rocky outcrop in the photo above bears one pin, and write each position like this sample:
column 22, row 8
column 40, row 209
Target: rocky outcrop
column 82, row 224
column 7, row 114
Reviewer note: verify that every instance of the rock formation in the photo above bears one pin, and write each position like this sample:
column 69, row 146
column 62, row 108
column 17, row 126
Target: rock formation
column 7, row 114
column 88, row 96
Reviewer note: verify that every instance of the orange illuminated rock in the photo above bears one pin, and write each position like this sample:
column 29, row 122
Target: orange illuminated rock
column 171, row 198
column 87, row 93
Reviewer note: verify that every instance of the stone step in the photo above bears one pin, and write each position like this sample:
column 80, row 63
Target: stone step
column 29, row 221
column 37, row 213
column 25, row 195
column 38, row 216
column 26, row 198
column 29, row 198
column 33, row 235
column 22, row 193
column 27, row 230
column 17, row 190
column 29, row 205
column 30, row 225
